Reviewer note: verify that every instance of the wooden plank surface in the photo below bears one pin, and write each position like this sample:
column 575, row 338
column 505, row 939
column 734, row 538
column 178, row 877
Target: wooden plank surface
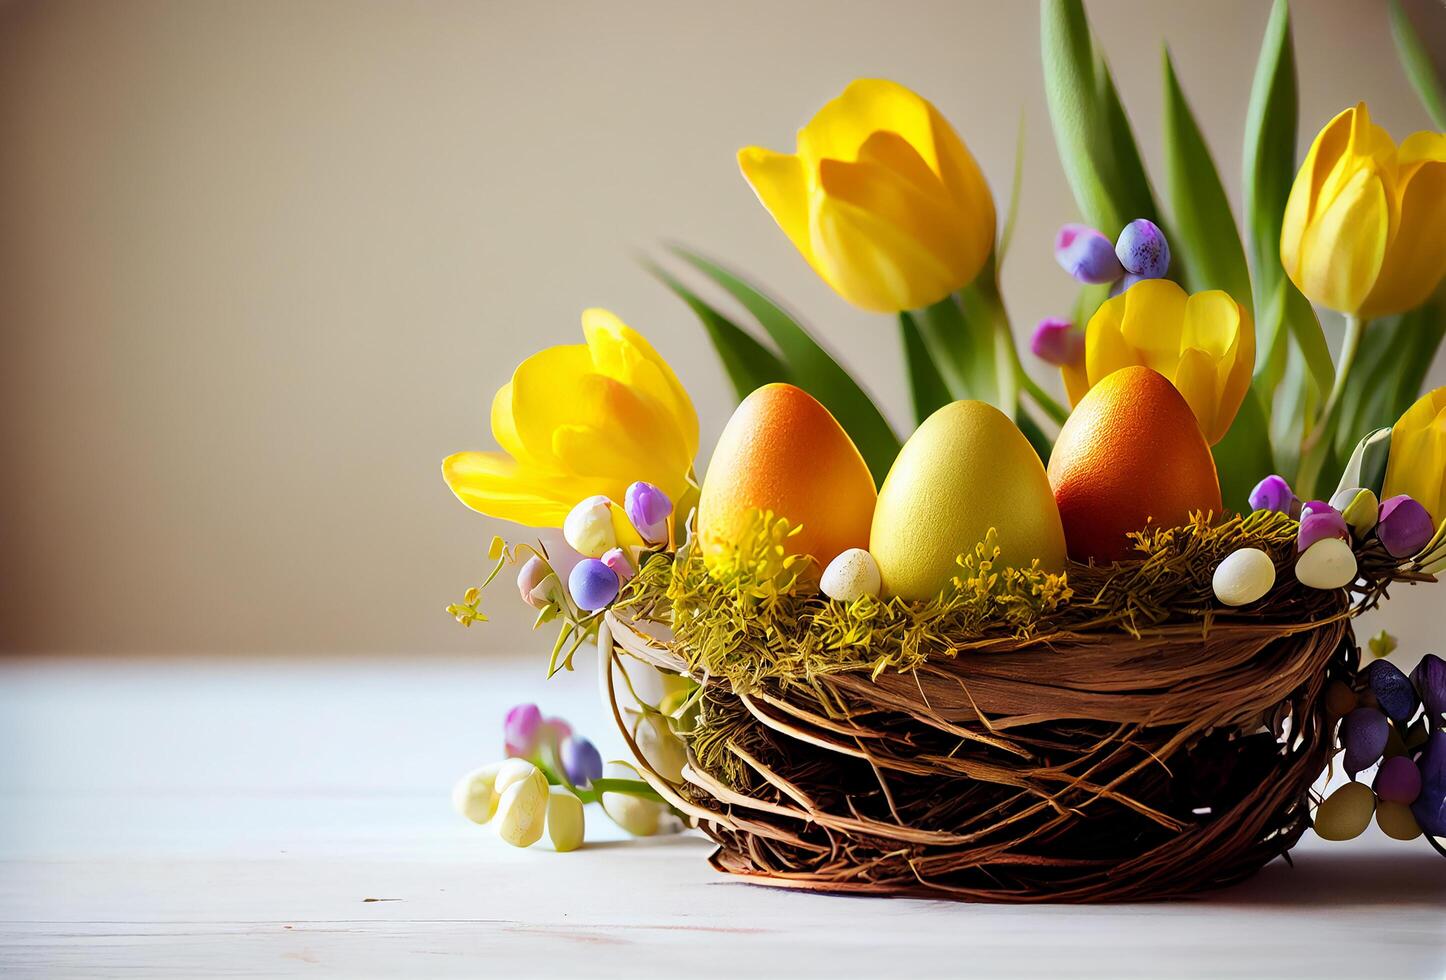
column 203, row 817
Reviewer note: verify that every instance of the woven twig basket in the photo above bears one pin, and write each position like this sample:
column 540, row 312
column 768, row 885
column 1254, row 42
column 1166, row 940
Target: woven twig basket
column 1074, row 767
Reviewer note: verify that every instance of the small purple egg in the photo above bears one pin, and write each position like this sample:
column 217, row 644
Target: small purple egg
column 1429, row 680
column 1272, row 493
column 1404, row 526
column 1364, row 733
column 593, row 585
column 1142, row 249
column 1430, row 806
column 1398, row 780
column 1320, row 521
column 1392, row 689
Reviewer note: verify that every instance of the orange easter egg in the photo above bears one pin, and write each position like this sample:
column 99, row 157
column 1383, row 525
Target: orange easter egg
column 782, row 451
column 1130, row 454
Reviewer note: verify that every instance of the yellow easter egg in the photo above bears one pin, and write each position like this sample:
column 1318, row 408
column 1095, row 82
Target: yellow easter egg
column 967, row 469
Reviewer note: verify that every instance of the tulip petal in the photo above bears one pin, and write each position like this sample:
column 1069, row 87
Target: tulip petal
column 620, row 352
column 1196, row 378
column 1416, row 465
column 780, row 182
column 865, row 107
column 1415, row 260
column 1152, row 322
column 925, row 217
column 873, row 263
column 1345, row 245
column 493, row 484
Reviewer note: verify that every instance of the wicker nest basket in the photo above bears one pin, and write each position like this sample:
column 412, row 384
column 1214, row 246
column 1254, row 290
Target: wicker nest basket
column 1069, row 766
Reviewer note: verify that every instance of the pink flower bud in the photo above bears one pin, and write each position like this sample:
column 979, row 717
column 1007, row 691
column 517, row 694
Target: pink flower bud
column 1087, row 255
column 1319, row 521
column 520, row 730
column 534, row 572
column 1056, row 342
column 618, row 562
column 648, row 509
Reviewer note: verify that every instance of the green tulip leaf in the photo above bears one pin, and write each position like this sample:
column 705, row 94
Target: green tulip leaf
column 811, row 367
column 1203, row 224
column 962, row 348
column 1016, row 186
column 1417, row 63
column 927, row 388
column 1305, row 330
column 1243, row 458
column 747, row 362
column 1390, row 370
column 1269, row 162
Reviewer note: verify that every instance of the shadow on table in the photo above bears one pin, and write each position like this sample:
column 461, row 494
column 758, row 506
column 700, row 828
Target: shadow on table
column 1325, row 878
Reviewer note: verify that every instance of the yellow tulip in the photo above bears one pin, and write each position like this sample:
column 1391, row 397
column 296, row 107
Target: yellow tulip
column 1417, row 462
column 580, row 420
column 1365, row 225
column 882, row 198
column 1205, row 345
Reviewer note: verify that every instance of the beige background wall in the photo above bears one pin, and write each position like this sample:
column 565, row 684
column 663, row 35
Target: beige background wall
column 264, row 263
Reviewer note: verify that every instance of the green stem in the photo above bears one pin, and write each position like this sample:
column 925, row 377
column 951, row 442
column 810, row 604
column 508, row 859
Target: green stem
column 1042, row 398
column 1318, row 443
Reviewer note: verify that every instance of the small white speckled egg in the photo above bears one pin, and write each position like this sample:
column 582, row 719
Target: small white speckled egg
column 1244, row 576
column 852, row 574
column 1327, row 564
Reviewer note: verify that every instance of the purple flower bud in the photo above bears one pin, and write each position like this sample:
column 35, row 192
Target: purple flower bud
column 1056, row 342
column 1364, row 733
column 534, row 572
column 618, row 562
column 1392, row 689
column 1142, row 249
column 521, row 729
column 1272, row 493
column 593, row 585
column 1404, row 526
column 580, row 760
column 1086, row 254
column 1128, row 280
column 648, row 508
column 1430, row 806
column 1319, row 521
column 1429, row 679
column 1398, row 780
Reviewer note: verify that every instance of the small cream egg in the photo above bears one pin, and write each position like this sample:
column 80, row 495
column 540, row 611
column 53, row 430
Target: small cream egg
column 851, row 575
column 1327, row 564
column 1243, row 577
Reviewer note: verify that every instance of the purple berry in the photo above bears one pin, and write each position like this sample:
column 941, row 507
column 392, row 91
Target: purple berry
column 1142, row 249
column 1086, row 254
column 1272, row 493
column 1404, row 526
column 580, row 760
column 1429, row 679
column 1398, row 780
column 1057, row 342
column 1364, row 733
column 1392, row 689
column 1430, row 806
column 593, row 585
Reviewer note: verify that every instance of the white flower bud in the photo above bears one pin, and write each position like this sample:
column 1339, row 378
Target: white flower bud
column 588, row 527
column 521, row 811
column 564, row 819
column 516, row 771
column 662, row 750
column 637, row 816
column 475, row 794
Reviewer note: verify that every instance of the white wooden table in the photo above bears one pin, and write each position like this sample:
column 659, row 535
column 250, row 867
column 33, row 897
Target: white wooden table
column 163, row 817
